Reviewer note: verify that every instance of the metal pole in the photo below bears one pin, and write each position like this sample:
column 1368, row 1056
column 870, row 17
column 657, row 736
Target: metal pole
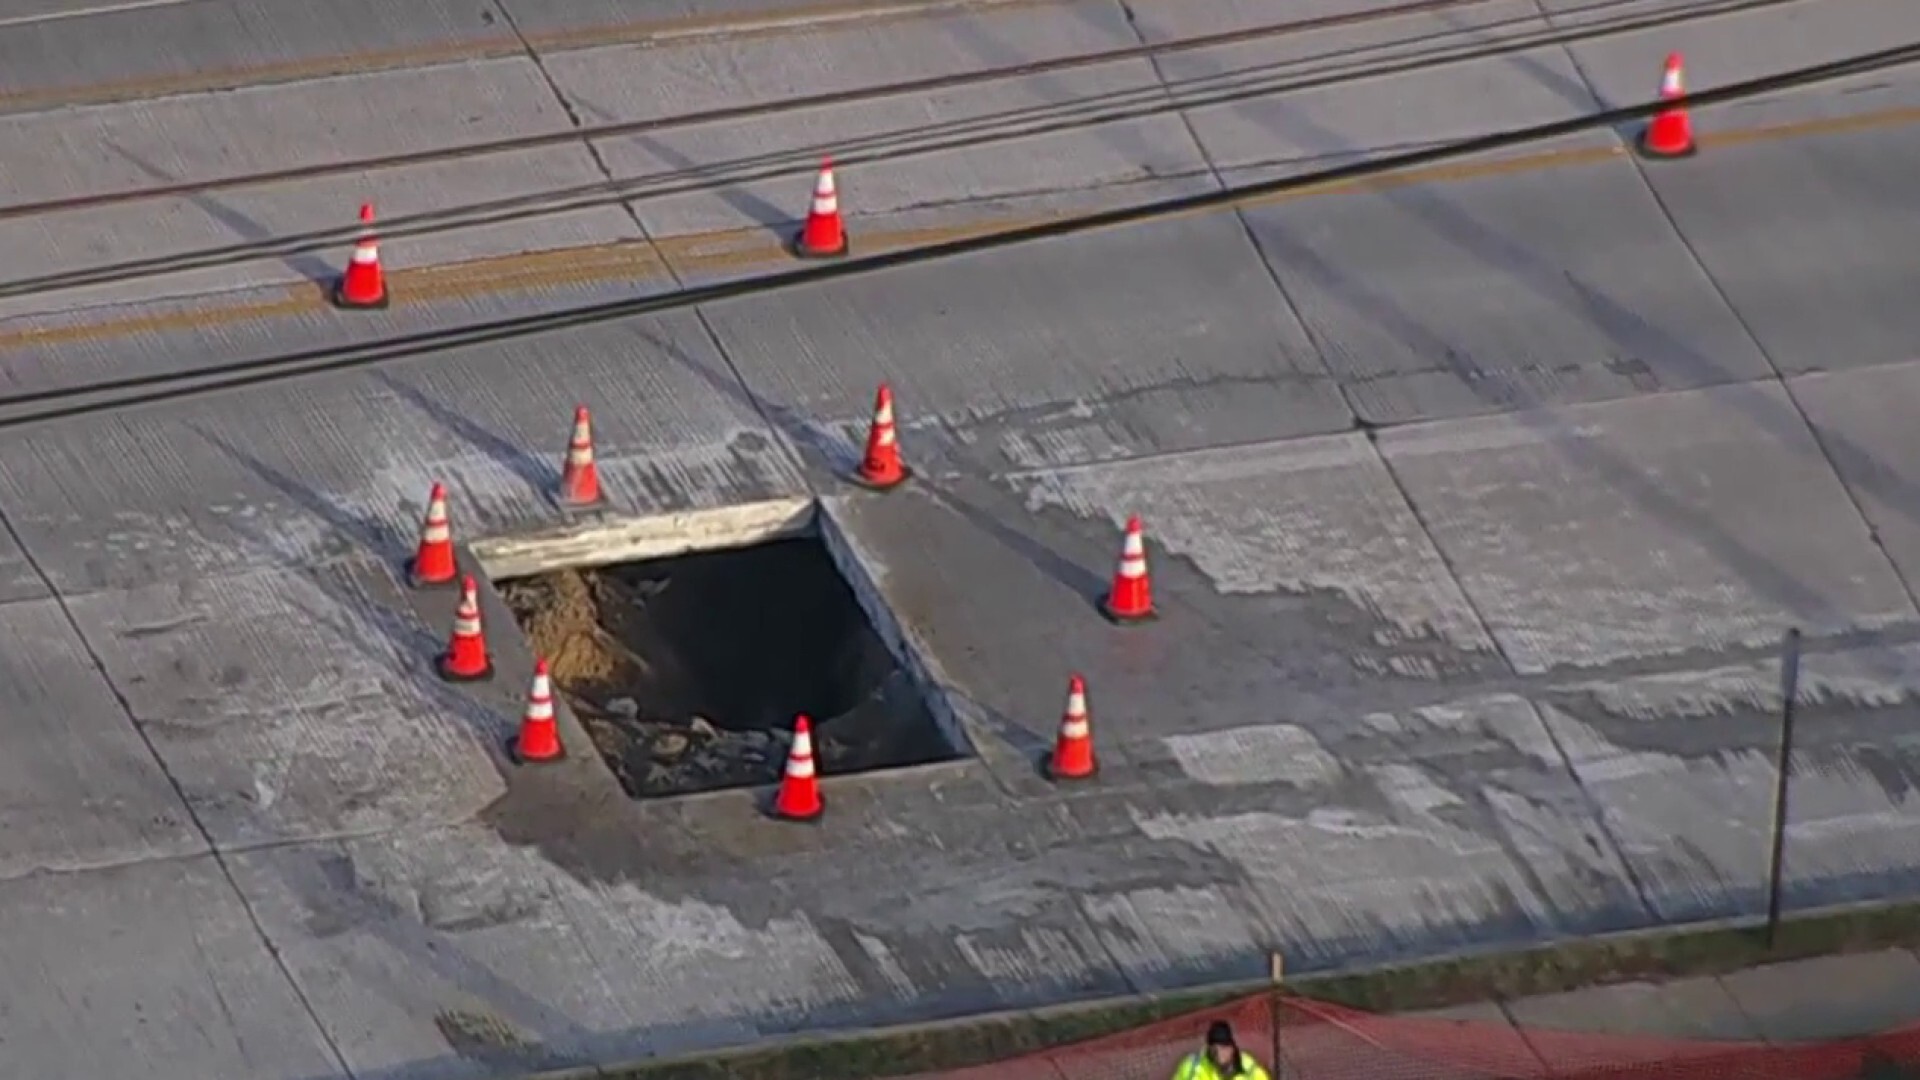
column 1276, row 1009
column 1789, row 694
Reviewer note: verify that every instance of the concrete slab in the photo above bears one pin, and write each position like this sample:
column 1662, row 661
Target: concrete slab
column 1180, row 346
column 1313, row 519
column 114, row 148
column 297, row 704
column 697, row 74
column 1450, row 827
column 1681, row 1009
column 1867, row 994
column 598, row 22
column 114, row 236
column 1600, row 533
column 146, row 970
column 1807, row 252
column 447, row 953
column 1625, row 69
column 1486, row 295
column 84, row 790
column 1446, row 99
column 1864, row 420
column 1264, row 756
column 139, row 50
column 299, row 474
column 602, row 88
column 1682, row 766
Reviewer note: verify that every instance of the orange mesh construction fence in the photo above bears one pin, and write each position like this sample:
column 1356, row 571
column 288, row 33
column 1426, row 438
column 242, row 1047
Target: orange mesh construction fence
column 1314, row 1040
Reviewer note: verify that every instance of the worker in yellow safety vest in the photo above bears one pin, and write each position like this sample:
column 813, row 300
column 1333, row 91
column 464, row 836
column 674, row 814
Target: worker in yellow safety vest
column 1221, row 1060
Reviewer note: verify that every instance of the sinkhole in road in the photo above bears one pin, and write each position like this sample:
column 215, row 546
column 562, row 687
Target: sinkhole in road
column 688, row 671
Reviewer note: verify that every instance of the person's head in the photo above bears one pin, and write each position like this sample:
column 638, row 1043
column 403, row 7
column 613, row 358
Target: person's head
column 1220, row 1045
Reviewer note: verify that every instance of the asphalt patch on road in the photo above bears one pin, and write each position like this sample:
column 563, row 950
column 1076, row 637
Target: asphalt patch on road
column 688, row 672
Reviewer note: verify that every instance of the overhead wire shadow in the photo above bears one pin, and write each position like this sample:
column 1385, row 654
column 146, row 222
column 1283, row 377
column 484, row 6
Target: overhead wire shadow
column 1528, row 271
column 515, row 458
column 309, row 266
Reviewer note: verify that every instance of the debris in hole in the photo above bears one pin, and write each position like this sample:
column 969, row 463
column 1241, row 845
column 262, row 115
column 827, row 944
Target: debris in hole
column 688, row 672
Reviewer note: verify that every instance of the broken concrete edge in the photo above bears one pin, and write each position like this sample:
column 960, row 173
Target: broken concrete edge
column 1683, row 951
column 857, row 568
column 638, row 539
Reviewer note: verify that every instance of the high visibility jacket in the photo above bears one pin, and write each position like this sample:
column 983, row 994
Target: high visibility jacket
column 1199, row 1066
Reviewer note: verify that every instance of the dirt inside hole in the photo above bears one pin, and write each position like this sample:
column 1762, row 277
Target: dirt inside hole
column 688, row 672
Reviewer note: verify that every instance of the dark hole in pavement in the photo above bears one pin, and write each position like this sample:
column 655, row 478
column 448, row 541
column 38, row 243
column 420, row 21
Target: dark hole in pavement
column 688, row 672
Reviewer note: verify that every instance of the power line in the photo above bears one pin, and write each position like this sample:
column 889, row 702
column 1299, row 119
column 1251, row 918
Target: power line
column 743, row 112
column 246, row 373
column 1072, row 116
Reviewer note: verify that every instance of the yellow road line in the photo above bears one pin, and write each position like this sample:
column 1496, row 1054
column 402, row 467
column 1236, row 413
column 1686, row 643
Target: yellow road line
column 707, row 254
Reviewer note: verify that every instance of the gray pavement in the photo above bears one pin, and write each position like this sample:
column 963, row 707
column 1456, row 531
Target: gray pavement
column 1476, row 506
column 1837, row 997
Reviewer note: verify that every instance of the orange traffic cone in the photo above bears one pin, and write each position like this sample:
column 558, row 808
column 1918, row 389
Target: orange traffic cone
column 580, row 480
column 1670, row 133
column 824, row 236
column 882, row 468
column 433, row 563
column 539, row 739
column 799, row 796
column 363, row 286
column 466, row 658
column 1131, row 599
column 1073, row 752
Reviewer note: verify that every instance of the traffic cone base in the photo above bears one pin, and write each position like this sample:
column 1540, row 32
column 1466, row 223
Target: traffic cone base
column 1122, row 618
column 341, row 300
column 1052, row 773
column 811, row 816
column 859, row 478
column 538, row 755
column 801, row 249
column 1652, row 144
column 444, row 665
column 421, row 576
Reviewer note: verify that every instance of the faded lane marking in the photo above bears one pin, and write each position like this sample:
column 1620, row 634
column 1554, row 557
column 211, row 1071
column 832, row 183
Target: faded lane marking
column 706, row 254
